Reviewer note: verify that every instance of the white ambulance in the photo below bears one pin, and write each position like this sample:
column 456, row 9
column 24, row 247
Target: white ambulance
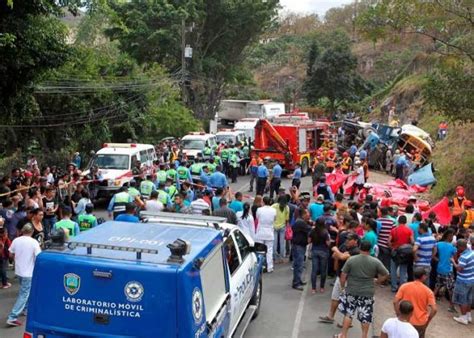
column 115, row 162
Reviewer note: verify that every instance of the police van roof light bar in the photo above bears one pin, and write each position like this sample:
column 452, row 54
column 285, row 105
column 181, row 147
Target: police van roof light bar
column 90, row 246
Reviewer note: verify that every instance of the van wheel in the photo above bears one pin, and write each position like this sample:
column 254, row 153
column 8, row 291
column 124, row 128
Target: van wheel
column 304, row 167
column 257, row 298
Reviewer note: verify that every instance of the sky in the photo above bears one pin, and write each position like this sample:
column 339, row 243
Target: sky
column 312, row 6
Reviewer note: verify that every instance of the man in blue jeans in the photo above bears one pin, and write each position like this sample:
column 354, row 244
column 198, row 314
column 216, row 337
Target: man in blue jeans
column 24, row 249
column 299, row 241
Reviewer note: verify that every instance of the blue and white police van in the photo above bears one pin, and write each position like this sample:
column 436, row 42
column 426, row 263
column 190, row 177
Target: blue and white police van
column 175, row 276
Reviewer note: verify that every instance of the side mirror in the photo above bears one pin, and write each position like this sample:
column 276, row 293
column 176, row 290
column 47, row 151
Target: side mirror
column 260, row 248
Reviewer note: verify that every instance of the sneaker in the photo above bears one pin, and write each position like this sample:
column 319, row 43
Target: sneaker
column 298, row 287
column 6, row 286
column 14, row 322
column 452, row 309
column 461, row 320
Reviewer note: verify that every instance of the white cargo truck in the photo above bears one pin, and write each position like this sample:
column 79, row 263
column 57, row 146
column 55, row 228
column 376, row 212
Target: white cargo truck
column 231, row 111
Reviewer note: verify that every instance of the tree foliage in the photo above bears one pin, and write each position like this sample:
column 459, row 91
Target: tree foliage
column 450, row 91
column 150, row 31
column 448, row 23
column 331, row 73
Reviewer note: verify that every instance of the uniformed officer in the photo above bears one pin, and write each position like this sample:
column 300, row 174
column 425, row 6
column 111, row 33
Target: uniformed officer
column 234, row 164
column 275, row 181
column 245, row 159
column 183, row 173
column 163, row 195
column 170, row 188
column 207, row 153
column 204, row 176
column 161, row 174
column 262, row 176
column 196, row 167
column 146, row 187
column 225, row 155
column 119, row 201
column 132, row 189
column 297, row 176
column 171, row 173
column 88, row 220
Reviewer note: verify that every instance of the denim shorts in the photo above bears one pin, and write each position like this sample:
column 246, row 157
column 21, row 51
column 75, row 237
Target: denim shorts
column 463, row 293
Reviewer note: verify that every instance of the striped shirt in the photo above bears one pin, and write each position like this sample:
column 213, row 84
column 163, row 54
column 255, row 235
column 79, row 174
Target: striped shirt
column 199, row 205
column 466, row 262
column 425, row 244
column 384, row 232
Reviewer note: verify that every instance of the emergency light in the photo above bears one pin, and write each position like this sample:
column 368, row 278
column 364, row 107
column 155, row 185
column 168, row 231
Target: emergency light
column 90, row 246
column 119, row 145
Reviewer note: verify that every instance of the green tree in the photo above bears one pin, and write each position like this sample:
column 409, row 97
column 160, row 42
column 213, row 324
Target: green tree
column 449, row 90
column 332, row 75
column 151, row 31
column 448, row 23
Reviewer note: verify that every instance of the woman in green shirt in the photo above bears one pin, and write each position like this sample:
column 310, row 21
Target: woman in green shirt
column 370, row 235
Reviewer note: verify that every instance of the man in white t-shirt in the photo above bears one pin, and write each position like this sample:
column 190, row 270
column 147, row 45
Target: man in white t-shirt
column 24, row 249
column 360, row 179
column 266, row 217
column 153, row 205
column 400, row 327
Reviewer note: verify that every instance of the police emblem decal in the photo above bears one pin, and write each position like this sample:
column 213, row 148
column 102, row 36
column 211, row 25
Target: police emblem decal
column 72, row 283
column 197, row 305
column 134, row 291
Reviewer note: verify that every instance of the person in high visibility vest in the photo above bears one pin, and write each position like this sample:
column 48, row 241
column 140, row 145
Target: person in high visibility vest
column 170, row 188
column 146, row 187
column 234, row 164
column 161, row 174
column 118, row 202
column 207, row 153
column 132, row 189
column 88, row 220
column 171, row 173
column 346, row 163
column 71, row 228
column 331, row 161
column 196, row 167
column 467, row 217
column 163, row 195
column 216, row 160
column 183, row 173
column 225, row 155
column 458, row 201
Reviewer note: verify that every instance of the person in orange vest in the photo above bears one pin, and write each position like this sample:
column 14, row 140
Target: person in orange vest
column 458, row 201
column 442, row 130
column 253, row 166
column 467, row 217
column 330, row 161
column 346, row 162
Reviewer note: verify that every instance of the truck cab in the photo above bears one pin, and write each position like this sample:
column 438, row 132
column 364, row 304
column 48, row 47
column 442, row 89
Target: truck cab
column 174, row 276
column 194, row 143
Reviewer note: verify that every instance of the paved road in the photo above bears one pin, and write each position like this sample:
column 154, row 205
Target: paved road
column 285, row 312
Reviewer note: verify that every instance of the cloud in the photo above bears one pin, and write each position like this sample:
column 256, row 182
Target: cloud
column 312, row 6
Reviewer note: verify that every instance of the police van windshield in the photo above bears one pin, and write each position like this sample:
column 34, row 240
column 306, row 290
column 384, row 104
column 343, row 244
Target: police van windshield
column 193, row 144
column 111, row 161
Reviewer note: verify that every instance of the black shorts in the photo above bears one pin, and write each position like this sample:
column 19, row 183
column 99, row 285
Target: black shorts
column 349, row 304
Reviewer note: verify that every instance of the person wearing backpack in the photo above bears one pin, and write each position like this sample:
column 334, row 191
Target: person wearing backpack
column 401, row 242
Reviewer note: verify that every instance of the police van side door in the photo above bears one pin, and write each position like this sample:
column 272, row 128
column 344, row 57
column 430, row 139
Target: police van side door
column 248, row 266
column 233, row 261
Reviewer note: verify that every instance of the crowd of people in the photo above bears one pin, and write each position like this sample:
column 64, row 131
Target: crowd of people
column 353, row 238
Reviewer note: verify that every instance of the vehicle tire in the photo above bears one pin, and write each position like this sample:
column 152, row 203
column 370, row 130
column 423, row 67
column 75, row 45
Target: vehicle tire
column 304, row 167
column 257, row 298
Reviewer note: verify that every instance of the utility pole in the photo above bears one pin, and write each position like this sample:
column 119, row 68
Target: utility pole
column 183, row 60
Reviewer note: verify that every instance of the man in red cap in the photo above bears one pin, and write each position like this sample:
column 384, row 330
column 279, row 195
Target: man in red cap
column 458, row 201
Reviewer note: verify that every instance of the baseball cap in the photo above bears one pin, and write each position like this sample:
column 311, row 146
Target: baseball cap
column 320, row 197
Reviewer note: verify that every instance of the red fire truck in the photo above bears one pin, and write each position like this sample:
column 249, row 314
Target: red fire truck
column 291, row 139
